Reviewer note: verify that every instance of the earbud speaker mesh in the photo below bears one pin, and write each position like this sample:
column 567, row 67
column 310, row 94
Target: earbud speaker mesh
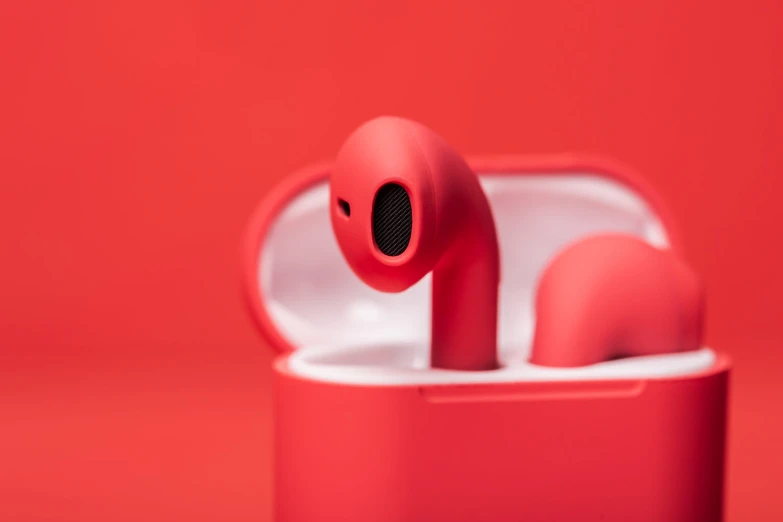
column 392, row 219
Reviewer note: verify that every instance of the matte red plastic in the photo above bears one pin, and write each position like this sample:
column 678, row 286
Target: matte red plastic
column 613, row 451
column 610, row 451
column 453, row 234
column 292, row 186
column 612, row 296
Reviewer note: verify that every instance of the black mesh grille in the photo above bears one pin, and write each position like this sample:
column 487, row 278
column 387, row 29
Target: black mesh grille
column 392, row 220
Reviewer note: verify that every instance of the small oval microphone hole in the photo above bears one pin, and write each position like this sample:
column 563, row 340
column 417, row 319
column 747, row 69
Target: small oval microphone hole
column 345, row 207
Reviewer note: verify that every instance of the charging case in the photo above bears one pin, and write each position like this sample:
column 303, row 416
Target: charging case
column 366, row 431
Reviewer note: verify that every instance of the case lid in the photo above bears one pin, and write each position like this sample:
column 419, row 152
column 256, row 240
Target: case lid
column 302, row 293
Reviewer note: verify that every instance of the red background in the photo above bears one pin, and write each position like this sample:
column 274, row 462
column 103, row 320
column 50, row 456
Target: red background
column 136, row 139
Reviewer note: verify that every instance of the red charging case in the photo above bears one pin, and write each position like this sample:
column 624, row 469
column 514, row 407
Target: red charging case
column 365, row 431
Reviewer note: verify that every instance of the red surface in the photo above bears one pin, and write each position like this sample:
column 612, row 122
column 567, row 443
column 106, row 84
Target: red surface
column 636, row 450
column 453, row 234
column 625, row 450
column 613, row 295
column 136, row 139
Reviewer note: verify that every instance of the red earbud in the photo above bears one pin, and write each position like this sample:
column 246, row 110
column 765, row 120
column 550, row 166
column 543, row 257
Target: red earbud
column 404, row 203
column 612, row 296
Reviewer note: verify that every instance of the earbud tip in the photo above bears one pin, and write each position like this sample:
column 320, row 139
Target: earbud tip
column 614, row 296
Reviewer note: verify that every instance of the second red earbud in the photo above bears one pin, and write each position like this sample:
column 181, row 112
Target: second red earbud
column 404, row 203
column 613, row 296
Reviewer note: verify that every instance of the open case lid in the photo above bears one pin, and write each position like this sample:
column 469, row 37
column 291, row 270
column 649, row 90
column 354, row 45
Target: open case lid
column 304, row 297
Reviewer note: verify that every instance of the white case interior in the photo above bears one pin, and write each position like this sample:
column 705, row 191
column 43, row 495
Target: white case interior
column 347, row 332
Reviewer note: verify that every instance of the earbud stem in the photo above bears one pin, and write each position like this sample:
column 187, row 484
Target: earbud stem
column 464, row 314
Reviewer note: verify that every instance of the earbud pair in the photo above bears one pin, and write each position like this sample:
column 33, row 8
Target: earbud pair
column 403, row 203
